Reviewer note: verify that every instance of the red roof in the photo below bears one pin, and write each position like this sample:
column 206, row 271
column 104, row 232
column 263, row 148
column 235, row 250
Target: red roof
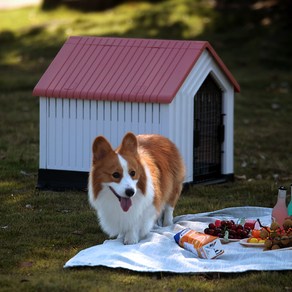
column 123, row 69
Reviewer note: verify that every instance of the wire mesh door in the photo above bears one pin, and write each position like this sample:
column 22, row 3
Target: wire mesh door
column 208, row 131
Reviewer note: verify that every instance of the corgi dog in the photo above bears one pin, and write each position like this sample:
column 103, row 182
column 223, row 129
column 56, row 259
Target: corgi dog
column 136, row 185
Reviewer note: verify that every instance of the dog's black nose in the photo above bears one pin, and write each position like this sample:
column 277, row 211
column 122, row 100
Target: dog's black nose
column 130, row 192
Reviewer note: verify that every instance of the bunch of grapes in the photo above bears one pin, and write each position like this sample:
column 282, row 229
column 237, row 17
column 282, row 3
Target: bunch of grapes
column 220, row 228
column 276, row 236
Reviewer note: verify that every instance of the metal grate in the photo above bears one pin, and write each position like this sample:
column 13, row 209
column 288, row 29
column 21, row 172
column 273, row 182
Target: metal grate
column 208, row 131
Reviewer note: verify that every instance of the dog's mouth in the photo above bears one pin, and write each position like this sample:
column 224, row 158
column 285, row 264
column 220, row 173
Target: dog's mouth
column 125, row 203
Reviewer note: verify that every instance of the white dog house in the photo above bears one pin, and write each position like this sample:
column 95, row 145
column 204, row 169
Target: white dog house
column 109, row 86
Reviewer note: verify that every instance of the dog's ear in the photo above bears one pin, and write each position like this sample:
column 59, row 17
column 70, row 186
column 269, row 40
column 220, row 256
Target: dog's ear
column 129, row 144
column 100, row 148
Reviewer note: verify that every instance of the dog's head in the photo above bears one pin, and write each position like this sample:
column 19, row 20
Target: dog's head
column 120, row 170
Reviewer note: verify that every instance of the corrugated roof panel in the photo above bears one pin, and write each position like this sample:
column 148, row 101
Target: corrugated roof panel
column 104, row 70
column 149, row 73
column 109, row 72
column 165, row 71
column 119, row 83
column 82, row 72
column 157, row 73
column 98, row 71
column 92, row 71
column 43, row 87
column 175, row 80
column 138, row 69
column 170, row 70
column 122, row 69
column 138, row 83
column 90, row 65
column 117, row 71
column 78, row 65
column 132, row 69
column 59, row 85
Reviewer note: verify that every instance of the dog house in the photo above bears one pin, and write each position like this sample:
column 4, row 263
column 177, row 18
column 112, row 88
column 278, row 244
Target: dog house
column 109, row 86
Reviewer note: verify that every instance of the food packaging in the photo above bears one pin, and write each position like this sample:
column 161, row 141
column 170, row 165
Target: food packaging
column 202, row 245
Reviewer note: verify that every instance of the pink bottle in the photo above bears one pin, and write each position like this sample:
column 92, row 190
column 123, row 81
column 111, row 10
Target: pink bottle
column 279, row 212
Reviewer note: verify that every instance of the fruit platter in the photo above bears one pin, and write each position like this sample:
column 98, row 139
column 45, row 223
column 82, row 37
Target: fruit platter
column 228, row 230
column 253, row 233
column 275, row 236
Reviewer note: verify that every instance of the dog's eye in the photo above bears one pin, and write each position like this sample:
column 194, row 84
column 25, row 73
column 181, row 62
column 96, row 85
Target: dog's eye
column 132, row 173
column 116, row 175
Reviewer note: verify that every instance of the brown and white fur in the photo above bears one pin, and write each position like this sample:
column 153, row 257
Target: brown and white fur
column 135, row 185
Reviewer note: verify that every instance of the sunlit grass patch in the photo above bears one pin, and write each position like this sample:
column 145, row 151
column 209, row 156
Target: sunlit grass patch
column 187, row 19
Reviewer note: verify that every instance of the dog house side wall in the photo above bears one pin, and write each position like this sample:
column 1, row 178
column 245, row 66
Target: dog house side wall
column 68, row 127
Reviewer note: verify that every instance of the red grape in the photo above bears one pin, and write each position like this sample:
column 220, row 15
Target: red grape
column 217, row 223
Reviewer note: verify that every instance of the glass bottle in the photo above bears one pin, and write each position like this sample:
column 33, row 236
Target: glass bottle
column 279, row 212
column 290, row 204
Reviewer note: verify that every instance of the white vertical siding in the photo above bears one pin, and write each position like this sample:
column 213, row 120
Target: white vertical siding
column 114, row 120
column 66, row 131
column 148, row 118
column 106, row 120
column 92, row 127
column 120, row 125
column 43, row 132
column 72, row 129
column 79, row 134
column 228, row 145
column 68, row 128
column 135, row 117
column 87, row 131
column 164, row 120
column 141, row 118
column 51, row 153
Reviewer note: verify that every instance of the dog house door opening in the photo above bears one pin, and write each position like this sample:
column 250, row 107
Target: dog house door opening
column 208, row 132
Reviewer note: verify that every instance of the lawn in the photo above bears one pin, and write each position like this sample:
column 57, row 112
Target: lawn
column 40, row 231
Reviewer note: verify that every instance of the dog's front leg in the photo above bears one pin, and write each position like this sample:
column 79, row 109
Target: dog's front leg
column 131, row 237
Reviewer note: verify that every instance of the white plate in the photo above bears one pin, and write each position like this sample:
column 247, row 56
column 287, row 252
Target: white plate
column 284, row 248
column 245, row 243
column 229, row 240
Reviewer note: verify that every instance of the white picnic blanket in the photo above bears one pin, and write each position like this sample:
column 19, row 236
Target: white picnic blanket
column 160, row 253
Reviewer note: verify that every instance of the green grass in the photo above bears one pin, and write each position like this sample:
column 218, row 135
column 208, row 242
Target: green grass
column 40, row 231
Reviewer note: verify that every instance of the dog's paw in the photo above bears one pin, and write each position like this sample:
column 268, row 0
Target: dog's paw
column 167, row 221
column 131, row 238
column 168, row 216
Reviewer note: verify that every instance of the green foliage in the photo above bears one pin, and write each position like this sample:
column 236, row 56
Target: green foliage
column 40, row 231
column 87, row 5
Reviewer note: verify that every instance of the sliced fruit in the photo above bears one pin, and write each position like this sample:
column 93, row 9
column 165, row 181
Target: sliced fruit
column 252, row 240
